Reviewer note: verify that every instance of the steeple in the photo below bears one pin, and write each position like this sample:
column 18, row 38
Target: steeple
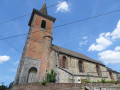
column 44, row 9
column 42, row 12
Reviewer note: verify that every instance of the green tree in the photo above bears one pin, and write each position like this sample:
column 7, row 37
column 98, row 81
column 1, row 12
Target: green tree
column 3, row 87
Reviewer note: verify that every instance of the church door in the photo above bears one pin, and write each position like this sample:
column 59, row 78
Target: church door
column 32, row 76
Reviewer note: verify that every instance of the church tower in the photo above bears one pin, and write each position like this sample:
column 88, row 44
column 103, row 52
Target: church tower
column 34, row 62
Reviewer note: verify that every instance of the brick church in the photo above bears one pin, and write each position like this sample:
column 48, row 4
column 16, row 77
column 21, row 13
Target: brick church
column 40, row 56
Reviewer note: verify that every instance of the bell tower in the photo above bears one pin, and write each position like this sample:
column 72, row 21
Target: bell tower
column 35, row 57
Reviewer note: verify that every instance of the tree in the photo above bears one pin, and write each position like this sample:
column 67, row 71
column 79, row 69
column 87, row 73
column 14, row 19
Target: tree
column 3, row 87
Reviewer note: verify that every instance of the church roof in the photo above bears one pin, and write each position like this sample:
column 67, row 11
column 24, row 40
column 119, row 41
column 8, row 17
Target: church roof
column 111, row 70
column 75, row 54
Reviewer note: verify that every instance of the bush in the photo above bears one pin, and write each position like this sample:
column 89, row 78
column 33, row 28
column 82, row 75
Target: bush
column 44, row 82
column 88, row 81
column 103, row 80
column 112, row 81
column 98, row 81
column 51, row 77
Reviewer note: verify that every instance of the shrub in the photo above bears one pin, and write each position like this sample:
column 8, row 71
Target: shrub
column 98, row 81
column 103, row 80
column 44, row 82
column 112, row 81
column 87, row 81
column 51, row 77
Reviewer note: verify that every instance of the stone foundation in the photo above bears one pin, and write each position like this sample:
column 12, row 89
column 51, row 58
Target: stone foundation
column 67, row 86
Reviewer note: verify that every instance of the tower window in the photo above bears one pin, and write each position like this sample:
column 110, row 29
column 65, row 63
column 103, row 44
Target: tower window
column 98, row 70
column 43, row 24
column 80, row 63
column 64, row 62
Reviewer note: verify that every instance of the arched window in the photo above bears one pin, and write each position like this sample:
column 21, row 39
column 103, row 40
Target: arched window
column 98, row 70
column 43, row 24
column 111, row 76
column 32, row 75
column 80, row 64
column 64, row 62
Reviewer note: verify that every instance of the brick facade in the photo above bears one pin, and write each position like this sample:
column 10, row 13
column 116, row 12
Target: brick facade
column 37, row 48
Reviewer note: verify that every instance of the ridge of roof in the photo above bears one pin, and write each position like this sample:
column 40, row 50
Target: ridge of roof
column 75, row 54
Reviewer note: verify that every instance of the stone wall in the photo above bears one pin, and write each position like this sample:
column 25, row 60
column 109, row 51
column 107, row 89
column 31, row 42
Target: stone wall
column 89, row 69
column 67, row 86
column 28, row 63
column 71, row 73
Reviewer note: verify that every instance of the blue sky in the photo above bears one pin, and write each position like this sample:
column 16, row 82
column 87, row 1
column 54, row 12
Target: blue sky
column 98, row 38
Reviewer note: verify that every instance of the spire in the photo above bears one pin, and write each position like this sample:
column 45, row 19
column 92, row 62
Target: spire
column 44, row 9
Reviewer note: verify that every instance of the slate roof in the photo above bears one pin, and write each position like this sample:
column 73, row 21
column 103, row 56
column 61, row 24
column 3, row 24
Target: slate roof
column 75, row 54
column 109, row 69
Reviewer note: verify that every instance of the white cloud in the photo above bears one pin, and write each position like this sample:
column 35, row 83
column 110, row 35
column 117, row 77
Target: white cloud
column 102, row 43
column 106, row 39
column 110, row 56
column 117, row 48
column 85, row 37
column 116, row 33
column 83, row 43
column 63, row 7
column 4, row 58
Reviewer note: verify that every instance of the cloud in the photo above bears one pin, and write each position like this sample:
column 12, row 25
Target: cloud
column 116, row 33
column 117, row 48
column 106, row 39
column 63, row 7
column 102, row 43
column 85, row 37
column 4, row 58
column 83, row 43
column 110, row 56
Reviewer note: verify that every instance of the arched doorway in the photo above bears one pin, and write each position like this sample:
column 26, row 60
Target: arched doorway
column 32, row 75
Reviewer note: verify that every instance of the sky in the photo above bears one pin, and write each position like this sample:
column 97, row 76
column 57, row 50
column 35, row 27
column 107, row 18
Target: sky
column 98, row 38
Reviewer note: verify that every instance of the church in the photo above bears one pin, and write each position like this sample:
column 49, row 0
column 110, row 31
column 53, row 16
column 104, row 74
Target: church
column 41, row 56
